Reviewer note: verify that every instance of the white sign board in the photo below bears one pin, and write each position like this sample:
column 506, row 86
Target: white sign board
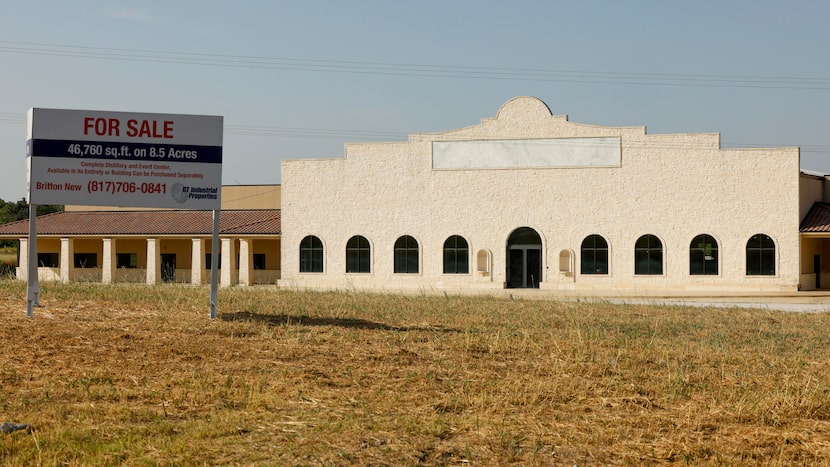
column 526, row 153
column 101, row 158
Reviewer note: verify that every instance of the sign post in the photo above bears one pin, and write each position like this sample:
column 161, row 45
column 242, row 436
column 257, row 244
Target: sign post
column 33, row 284
column 102, row 158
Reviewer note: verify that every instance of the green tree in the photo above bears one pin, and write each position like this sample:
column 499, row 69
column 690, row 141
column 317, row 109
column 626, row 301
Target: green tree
column 11, row 211
column 15, row 211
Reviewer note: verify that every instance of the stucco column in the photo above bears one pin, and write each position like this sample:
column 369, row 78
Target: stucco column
column 153, row 261
column 246, row 261
column 22, row 272
column 228, row 277
column 108, row 262
column 67, row 259
column 197, row 261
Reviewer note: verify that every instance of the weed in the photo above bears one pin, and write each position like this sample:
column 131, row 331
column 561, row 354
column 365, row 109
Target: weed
column 133, row 374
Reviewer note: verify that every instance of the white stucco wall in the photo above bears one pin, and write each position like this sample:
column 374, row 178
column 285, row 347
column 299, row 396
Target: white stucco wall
column 673, row 186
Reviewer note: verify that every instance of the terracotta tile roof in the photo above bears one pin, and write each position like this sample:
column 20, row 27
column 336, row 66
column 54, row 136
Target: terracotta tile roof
column 80, row 223
column 818, row 219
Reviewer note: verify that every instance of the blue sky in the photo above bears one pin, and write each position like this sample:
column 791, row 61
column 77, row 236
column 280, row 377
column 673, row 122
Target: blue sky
column 301, row 79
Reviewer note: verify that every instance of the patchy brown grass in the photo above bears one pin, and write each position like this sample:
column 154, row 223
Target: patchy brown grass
column 140, row 375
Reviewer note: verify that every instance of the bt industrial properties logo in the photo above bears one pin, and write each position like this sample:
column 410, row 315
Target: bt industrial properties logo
column 179, row 193
column 182, row 193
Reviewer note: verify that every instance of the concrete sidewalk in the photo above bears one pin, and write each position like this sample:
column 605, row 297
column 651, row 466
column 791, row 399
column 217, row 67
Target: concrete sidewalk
column 810, row 302
column 805, row 302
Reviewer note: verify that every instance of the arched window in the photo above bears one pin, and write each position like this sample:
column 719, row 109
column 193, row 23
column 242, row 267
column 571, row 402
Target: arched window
column 648, row 255
column 760, row 256
column 594, row 255
column 358, row 254
column 311, row 254
column 456, row 255
column 703, row 256
column 406, row 255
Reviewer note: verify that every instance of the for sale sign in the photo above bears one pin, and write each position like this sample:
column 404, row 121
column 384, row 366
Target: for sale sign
column 102, row 158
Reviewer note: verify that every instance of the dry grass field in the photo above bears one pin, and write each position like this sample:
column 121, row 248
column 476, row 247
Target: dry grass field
column 8, row 261
column 139, row 375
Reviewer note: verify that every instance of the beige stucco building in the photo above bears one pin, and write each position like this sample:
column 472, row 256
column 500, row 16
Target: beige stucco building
column 530, row 199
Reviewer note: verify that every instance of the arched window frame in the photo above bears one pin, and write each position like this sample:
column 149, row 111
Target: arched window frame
column 760, row 255
column 594, row 252
column 358, row 255
column 456, row 255
column 648, row 252
column 311, row 254
column 704, row 258
column 407, row 255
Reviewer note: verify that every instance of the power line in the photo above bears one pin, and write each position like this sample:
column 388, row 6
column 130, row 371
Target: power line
column 11, row 118
column 273, row 190
column 271, row 131
column 247, row 130
column 410, row 69
column 318, row 133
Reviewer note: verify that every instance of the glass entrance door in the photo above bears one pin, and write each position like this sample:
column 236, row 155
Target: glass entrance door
column 524, row 259
column 533, row 267
column 525, row 267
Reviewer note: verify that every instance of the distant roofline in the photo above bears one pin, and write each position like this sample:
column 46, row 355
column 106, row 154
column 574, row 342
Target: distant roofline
column 814, row 174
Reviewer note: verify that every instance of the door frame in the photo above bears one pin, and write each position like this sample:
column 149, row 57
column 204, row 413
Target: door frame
column 525, row 239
